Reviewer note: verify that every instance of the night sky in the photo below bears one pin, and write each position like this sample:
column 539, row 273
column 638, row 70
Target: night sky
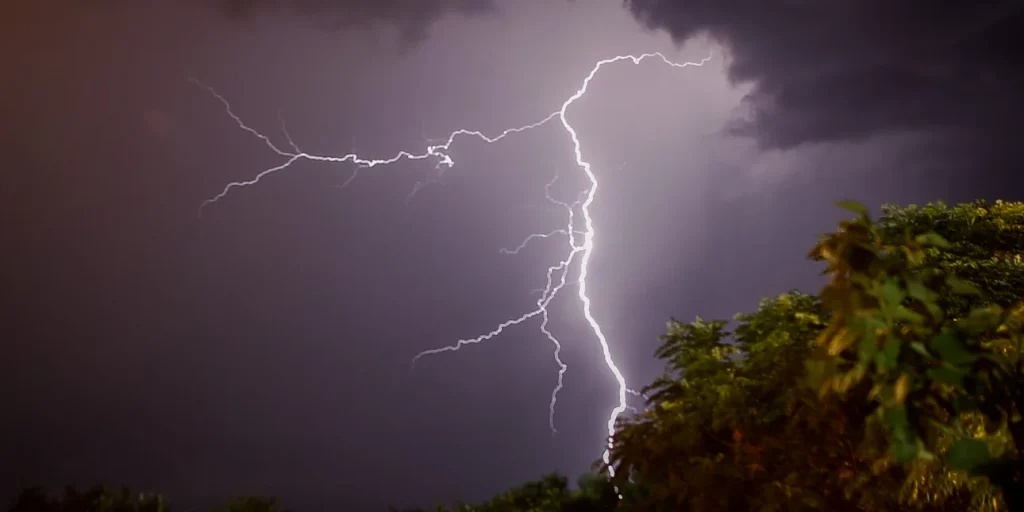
column 265, row 346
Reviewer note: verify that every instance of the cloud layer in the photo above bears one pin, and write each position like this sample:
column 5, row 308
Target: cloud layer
column 845, row 70
column 413, row 18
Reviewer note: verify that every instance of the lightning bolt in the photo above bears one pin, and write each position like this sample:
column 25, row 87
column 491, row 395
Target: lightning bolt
column 581, row 239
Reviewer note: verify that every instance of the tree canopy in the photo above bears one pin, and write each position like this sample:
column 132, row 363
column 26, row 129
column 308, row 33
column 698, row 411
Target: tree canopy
column 863, row 397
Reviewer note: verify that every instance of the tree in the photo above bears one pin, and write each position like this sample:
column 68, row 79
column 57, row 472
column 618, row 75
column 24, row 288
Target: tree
column 732, row 425
column 550, row 493
column 924, row 310
column 97, row 498
column 251, row 504
column 100, row 498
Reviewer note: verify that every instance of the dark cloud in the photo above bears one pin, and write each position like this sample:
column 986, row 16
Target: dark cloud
column 40, row 23
column 848, row 69
column 412, row 17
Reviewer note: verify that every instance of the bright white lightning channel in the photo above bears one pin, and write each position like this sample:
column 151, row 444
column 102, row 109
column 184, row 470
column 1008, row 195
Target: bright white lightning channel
column 556, row 274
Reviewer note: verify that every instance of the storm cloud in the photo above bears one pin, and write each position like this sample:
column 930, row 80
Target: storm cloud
column 42, row 24
column 846, row 70
column 413, row 18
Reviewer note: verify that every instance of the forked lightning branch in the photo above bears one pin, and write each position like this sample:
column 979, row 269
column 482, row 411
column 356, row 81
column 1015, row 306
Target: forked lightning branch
column 579, row 231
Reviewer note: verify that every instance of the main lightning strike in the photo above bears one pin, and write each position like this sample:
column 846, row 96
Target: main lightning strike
column 588, row 239
column 583, row 250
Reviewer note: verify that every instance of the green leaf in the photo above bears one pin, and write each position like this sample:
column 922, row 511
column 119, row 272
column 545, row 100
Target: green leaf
column 891, row 293
column 961, row 287
column 951, row 349
column 946, row 375
column 968, row 454
column 810, row 318
column 932, row 239
column 906, row 315
column 889, row 356
column 981, row 319
column 917, row 290
column 867, row 346
column 896, row 418
column 854, row 207
column 820, row 368
column 904, row 451
column 920, row 349
column 903, row 447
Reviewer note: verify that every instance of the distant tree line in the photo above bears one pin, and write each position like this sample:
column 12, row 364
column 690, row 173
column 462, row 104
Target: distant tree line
column 899, row 386
column 100, row 498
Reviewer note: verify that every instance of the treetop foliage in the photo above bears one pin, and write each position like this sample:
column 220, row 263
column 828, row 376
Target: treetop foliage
column 822, row 401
